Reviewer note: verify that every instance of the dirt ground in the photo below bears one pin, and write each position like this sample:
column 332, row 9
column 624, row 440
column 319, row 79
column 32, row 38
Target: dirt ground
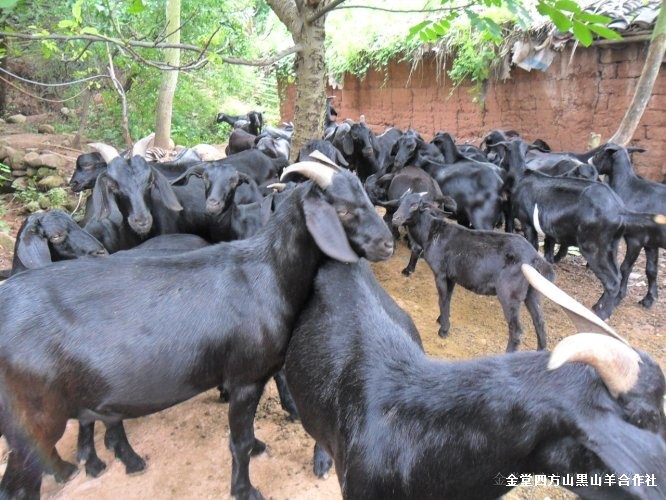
column 186, row 447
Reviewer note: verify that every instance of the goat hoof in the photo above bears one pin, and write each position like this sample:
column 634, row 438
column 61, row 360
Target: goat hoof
column 258, row 448
column 321, row 466
column 66, row 472
column 224, row 395
column 407, row 272
column 95, row 467
column 135, row 465
column 251, row 494
column 443, row 333
column 647, row 302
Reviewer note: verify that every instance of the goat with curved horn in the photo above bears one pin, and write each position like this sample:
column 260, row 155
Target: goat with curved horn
column 109, row 153
column 584, row 319
column 141, row 145
column 321, row 174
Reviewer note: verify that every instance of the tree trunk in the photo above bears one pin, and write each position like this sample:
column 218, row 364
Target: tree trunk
column 169, row 78
column 310, row 66
column 3, row 63
column 310, row 84
column 655, row 56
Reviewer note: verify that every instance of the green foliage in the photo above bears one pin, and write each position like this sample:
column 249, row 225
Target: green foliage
column 5, row 172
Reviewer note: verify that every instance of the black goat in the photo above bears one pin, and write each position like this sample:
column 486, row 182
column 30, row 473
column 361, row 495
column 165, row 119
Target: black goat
column 359, row 146
column 162, row 330
column 641, row 195
column 324, row 147
column 402, row 425
column 575, row 212
column 251, row 122
column 51, row 237
column 485, row 262
column 126, row 197
column 257, row 165
column 239, row 140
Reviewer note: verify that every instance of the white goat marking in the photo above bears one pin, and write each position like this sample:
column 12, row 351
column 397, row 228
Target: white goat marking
column 535, row 221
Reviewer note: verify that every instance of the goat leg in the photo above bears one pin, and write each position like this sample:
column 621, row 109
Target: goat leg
column 413, row 258
column 444, row 290
column 633, row 251
column 242, row 407
column 115, row 439
column 651, row 267
column 321, row 461
column 286, row 401
column 85, row 450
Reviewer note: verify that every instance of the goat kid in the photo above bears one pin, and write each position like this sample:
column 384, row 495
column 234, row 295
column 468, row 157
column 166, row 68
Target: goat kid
column 484, row 262
column 401, row 425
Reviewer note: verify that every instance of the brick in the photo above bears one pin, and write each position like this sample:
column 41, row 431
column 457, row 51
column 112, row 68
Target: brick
column 619, row 53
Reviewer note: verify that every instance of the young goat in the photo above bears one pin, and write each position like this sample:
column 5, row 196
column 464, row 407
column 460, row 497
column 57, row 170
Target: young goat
column 484, row 262
column 51, row 237
column 162, row 329
column 400, row 425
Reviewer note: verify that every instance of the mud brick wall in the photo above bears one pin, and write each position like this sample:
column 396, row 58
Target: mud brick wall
column 584, row 91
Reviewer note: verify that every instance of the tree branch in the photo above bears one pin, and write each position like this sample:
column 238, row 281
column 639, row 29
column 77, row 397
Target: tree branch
column 288, row 13
column 321, row 11
column 130, row 45
column 407, row 11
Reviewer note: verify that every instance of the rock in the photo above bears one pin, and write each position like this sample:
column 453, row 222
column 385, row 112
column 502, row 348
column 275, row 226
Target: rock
column 7, row 242
column 65, row 111
column 2, row 120
column 18, row 118
column 44, row 202
column 19, row 173
column 15, row 159
column 52, row 160
column 51, row 181
column 32, row 159
column 31, row 171
column 5, row 151
column 45, row 128
column 32, row 207
column 46, row 171
column 20, row 184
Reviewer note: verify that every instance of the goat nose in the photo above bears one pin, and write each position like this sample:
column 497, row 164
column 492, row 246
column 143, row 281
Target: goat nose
column 213, row 206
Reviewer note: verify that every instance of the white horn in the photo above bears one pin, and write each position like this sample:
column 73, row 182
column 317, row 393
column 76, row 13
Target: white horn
column 584, row 319
column 108, row 153
column 321, row 174
column 616, row 363
column 318, row 155
column 141, row 145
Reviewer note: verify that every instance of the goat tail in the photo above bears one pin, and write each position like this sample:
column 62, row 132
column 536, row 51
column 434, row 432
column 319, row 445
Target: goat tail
column 640, row 221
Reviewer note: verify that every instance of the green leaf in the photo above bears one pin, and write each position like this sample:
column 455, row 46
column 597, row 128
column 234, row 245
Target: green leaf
column 568, row 5
column 582, row 33
column 588, row 17
column 417, row 30
column 89, row 30
column 66, row 23
column 431, row 34
column 136, row 7
column 7, row 4
column 605, row 32
column 76, row 11
column 561, row 21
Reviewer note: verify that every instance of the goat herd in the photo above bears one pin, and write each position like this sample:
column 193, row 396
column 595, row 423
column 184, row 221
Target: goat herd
column 226, row 273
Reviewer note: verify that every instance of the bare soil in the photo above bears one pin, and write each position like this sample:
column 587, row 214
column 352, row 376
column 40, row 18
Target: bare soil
column 186, row 447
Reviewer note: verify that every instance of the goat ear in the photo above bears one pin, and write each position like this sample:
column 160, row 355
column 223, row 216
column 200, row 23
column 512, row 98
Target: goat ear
column 185, row 176
column 102, row 197
column 347, row 144
column 167, row 194
column 624, row 447
column 244, row 178
column 32, row 249
column 341, row 159
column 325, row 227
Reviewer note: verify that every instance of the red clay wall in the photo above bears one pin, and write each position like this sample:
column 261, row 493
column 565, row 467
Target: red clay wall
column 563, row 106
